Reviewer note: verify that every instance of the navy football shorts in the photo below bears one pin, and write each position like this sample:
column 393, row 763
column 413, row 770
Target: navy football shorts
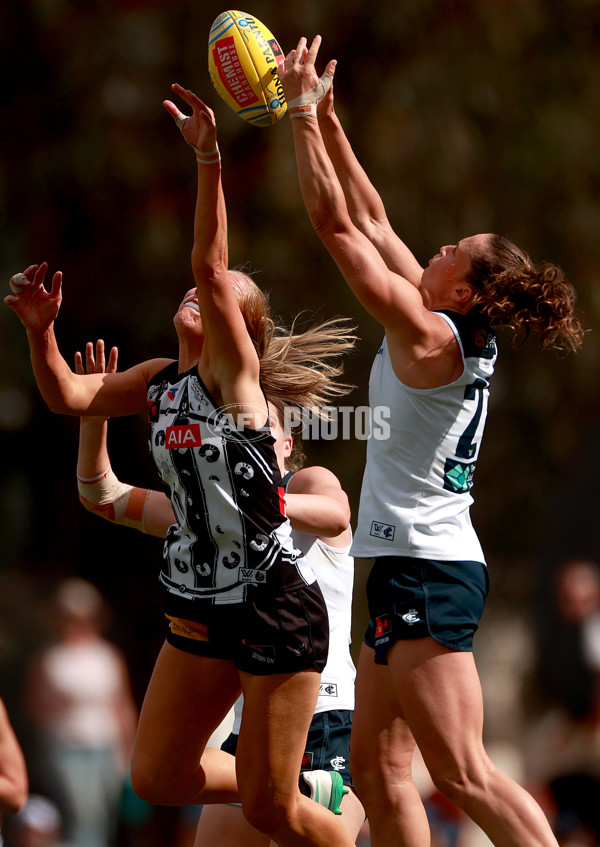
column 415, row 598
column 327, row 744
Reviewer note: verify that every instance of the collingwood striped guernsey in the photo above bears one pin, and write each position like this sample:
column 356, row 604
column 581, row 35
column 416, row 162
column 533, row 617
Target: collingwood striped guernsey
column 232, row 537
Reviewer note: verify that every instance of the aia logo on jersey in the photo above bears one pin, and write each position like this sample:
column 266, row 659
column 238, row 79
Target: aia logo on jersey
column 183, row 435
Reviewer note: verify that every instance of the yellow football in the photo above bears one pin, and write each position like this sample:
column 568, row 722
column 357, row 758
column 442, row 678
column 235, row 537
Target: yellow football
column 243, row 62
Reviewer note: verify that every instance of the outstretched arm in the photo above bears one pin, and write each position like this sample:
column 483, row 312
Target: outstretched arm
column 100, row 491
column 389, row 297
column 228, row 349
column 365, row 206
column 64, row 391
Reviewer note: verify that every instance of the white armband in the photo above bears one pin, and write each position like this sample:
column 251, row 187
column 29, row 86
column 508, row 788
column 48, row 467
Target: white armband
column 114, row 500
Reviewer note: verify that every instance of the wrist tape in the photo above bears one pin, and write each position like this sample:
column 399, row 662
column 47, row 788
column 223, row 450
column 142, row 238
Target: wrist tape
column 305, row 105
column 115, row 500
column 210, row 158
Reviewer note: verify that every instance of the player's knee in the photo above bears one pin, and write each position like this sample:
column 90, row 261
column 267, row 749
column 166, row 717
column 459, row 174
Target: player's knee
column 266, row 815
column 153, row 783
column 142, row 783
column 459, row 783
column 364, row 769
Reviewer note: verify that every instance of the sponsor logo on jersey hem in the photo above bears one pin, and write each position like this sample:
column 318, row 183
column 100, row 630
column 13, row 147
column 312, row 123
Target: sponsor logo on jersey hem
column 250, row 575
column 385, row 531
column 328, row 689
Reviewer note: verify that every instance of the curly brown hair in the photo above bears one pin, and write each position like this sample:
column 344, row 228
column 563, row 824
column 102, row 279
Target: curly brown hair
column 513, row 293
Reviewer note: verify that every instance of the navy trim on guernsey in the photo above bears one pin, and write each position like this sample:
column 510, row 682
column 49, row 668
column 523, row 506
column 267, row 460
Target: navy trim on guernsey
column 477, row 339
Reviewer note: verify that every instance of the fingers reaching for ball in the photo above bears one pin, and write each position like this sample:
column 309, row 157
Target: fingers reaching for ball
column 95, row 361
column 199, row 129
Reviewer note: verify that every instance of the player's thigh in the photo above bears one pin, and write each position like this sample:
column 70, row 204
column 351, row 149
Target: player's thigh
column 440, row 695
column 277, row 713
column 381, row 740
column 186, row 699
column 226, row 826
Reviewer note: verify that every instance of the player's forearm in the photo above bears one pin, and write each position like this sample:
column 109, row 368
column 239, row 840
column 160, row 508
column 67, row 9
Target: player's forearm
column 92, row 456
column 209, row 252
column 320, row 515
column 320, row 187
column 364, row 203
column 53, row 376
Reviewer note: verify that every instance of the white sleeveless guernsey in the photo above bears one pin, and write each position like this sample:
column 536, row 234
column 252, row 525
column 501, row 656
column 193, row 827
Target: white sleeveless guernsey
column 415, row 495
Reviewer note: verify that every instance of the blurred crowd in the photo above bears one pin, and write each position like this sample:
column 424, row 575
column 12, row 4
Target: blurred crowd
column 75, row 717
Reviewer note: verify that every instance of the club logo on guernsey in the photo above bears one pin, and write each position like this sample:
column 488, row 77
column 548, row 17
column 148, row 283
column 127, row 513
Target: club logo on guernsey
column 183, row 435
column 250, row 575
column 382, row 530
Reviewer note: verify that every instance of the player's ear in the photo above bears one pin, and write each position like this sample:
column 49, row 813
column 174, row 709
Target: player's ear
column 463, row 292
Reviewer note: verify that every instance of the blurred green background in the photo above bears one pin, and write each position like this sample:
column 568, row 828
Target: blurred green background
column 468, row 116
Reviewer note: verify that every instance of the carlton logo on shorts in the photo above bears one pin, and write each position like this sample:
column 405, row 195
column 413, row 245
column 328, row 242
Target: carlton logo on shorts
column 411, row 617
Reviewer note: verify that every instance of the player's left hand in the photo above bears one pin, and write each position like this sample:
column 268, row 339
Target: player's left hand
column 200, row 128
column 95, row 363
column 298, row 73
column 36, row 307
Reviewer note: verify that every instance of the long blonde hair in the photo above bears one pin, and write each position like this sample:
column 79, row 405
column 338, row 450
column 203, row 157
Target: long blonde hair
column 298, row 367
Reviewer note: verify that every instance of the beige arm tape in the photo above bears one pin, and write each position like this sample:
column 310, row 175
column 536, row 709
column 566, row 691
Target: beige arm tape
column 114, row 500
column 305, row 104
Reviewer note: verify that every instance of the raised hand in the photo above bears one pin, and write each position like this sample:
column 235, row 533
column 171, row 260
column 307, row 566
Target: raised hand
column 36, row 307
column 95, row 363
column 199, row 129
column 325, row 106
column 302, row 86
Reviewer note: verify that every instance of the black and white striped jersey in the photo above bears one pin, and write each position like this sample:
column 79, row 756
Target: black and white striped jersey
column 232, row 535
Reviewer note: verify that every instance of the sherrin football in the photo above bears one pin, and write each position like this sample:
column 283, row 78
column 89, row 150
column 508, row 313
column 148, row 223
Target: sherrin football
column 243, row 62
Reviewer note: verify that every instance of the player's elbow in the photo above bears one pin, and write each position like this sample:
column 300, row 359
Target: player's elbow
column 341, row 521
column 337, row 518
column 14, row 800
column 106, row 512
